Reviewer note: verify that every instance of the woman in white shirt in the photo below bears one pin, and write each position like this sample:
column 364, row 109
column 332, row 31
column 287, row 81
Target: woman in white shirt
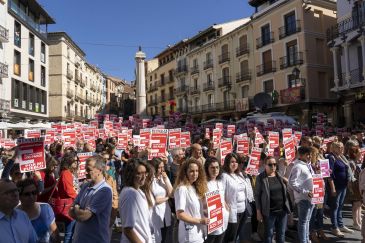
column 133, row 206
column 191, row 186
column 213, row 171
column 235, row 195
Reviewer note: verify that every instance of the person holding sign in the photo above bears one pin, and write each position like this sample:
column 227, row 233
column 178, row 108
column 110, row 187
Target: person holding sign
column 213, row 171
column 272, row 201
column 191, row 186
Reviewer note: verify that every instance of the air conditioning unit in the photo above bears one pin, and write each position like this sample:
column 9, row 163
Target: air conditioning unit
column 16, row 104
column 24, row 104
column 30, row 106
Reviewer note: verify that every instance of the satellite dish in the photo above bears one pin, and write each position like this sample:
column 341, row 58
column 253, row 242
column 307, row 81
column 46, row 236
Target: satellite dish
column 262, row 101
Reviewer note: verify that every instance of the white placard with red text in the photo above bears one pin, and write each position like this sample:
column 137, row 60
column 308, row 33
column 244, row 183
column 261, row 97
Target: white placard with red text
column 225, row 148
column 32, row 133
column 215, row 210
column 287, row 133
column 273, row 140
column 259, row 139
column 144, row 141
column 217, row 135
column 82, row 164
column 158, row 143
column 185, row 140
column 174, row 138
column 289, row 147
column 318, row 190
column 231, row 130
column 31, row 155
column 122, row 141
column 254, row 161
column 69, row 138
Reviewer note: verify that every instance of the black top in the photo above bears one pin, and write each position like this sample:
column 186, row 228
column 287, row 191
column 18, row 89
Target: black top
column 276, row 195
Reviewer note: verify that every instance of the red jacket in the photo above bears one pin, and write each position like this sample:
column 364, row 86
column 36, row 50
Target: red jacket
column 66, row 185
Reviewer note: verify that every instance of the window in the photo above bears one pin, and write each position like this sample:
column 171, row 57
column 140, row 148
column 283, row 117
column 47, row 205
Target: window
column 208, row 57
column 37, row 100
column 209, row 79
column 43, row 52
column 31, row 70
column 17, row 65
column 31, row 44
column 265, row 34
column 44, row 102
column 17, row 34
column 210, row 99
column 171, row 93
column 195, row 63
column 290, row 23
column 292, row 53
column 244, row 67
column 25, row 96
column 242, row 41
column 162, row 79
column 268, row 86
column 171, row 76
column 43, row 76
column 225, row 75
column 293, row 82
column 226, row 97
column 31, row 98
column 244, row 91
column 196, row 102
column 195, row 84
column 68, row 52
column 16, row 93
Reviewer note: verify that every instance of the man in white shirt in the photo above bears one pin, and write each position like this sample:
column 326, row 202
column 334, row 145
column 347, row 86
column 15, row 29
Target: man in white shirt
column 301, row 181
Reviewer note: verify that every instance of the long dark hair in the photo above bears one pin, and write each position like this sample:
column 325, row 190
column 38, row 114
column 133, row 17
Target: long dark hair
column 67, row 160
column 227, row 162
column 130, row 171
column 210, row 160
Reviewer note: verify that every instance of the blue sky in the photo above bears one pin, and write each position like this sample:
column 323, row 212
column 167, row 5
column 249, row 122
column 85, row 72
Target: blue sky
column 110, row 31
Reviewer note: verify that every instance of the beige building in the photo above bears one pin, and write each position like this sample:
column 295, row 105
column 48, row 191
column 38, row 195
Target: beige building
column 160, row 81
column 293, row 62
column 75, row 85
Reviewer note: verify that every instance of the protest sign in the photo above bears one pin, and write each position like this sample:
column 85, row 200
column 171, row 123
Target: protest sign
column 207, row 133
column 31, row 155
column 174, row 138
column 318, row 189
column 8, row 143
column 144, row 142
column 273, row 140
column 69, row 138
column 82, row 164
column 289, row 148
column 122, row 141
column 185, row 140
column 158, row 143
column 254, row 161
column 231, row 130
column 225, row 148
column 325, row 168
column 287, row 133
column 219, row 126
column 215, row 210
column 217, row 135
column 259, row 139
column 243, row 145
column 32, row 133
column 298, row 137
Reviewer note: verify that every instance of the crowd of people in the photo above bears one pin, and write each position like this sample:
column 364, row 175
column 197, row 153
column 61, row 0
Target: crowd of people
column 164, row 199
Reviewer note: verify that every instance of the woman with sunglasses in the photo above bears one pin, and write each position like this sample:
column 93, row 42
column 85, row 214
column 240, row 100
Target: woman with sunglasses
column 40, row 214
column 272, row 202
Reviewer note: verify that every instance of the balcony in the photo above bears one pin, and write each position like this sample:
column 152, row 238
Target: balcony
column 182, row 90
column 83, row 83
column 265, row 40
column 268, row 67
column 82, row 98
column 194, row 90
column 347, row 25
column 70, row 114
column 208, row 86
column 153, row 88
column 356, row 77
column 181, row 69
column 291, row 60
column 194, row 69
column 170, row 79
column 4, row 34
column 219, row 107
column 224, row 81
column 69, row 75
column 77, row 78
column 224, row 58
column 243, row 76
column 3, row 70
column 195, row 109
column 70, row 94
column 208, row 64
column 292, row 95
column 242, row 50
column 289, row 29
column 93, row 87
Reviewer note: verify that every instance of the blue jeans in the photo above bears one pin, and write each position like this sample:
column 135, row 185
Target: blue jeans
column 305, row 209
column 69, row 231
column 336, row 207
column 316, row 222
column 277, row 220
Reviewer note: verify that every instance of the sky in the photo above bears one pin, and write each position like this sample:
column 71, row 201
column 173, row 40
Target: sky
column 110, row 31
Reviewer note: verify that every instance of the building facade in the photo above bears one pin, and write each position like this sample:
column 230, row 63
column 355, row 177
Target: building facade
column 347, row 42
column 26, row 85
column 4, row 72
column 75, row 85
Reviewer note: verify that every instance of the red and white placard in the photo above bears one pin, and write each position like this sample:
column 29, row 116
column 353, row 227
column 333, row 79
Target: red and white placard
column 31, row 155
column 318, row 190
column 215, row 210
column 273, row 140
column 144, row 142
column 231, row 130
column 82, row 164
column 32, row 133
column 217, row 135
column 174, row 138
column 122, row 141
column 259, row 139
column 287, row 133
column 158, row 143
column 225, row 148
column 289, row 148
column 243, row 145
column 185, row 140
column 254, row 161
column 69, row 137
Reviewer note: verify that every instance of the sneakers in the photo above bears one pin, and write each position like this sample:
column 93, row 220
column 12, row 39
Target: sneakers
column 255, row 236
column 357, row 227
column 337, row 233
column 346, row 230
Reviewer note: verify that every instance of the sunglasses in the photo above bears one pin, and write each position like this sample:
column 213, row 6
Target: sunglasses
column 28, row 194
column 271, row 165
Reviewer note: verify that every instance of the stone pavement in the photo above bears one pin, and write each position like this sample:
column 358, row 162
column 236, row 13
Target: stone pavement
column 347, row 216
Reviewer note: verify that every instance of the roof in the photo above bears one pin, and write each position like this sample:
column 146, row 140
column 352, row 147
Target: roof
column 116, row 80
column 37, row 9
column 56, row 36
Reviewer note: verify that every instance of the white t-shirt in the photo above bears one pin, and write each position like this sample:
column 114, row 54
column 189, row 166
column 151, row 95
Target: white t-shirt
column 134, row 213
column 219, row 185
column 161, row 212
column 187, row 200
